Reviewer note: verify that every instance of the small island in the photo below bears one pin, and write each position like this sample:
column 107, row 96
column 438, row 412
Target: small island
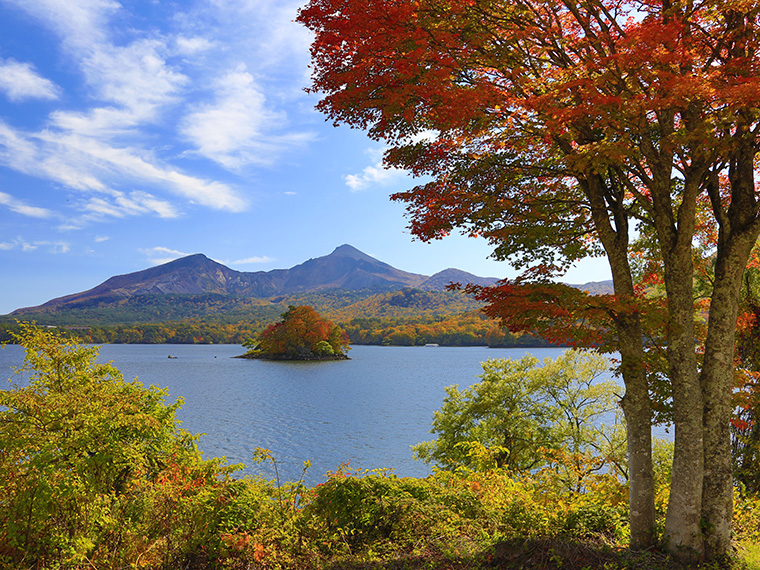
column 302, row 334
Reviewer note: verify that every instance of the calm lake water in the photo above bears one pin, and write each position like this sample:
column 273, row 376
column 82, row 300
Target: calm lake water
column 367, row 411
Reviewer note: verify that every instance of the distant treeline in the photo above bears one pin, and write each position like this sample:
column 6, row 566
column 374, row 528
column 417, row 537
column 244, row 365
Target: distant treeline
column 209, row 307
column 467, row 329
column 150, row 333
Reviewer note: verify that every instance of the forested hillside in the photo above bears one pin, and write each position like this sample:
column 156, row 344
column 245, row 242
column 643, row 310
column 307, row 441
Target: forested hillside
column 409, row 317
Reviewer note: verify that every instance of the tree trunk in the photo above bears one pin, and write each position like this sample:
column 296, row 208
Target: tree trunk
column 717, row 381
column 638, row 418
column 638, row 413
column 738, row 233
column 636, row 403
column 683, row 534
column 675, row 231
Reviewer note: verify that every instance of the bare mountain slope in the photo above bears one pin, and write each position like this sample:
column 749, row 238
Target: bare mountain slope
column 345, row 268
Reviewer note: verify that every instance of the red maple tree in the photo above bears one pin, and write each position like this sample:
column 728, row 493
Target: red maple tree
column 301, row 334
column 555, row 129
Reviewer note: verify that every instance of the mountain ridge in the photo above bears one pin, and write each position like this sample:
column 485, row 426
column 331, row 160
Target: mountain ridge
column 346, row 268
column 196, row 277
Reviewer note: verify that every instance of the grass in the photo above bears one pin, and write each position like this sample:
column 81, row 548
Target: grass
column 749, row 556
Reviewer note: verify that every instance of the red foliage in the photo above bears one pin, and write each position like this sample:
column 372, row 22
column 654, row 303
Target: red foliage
column 299, row 333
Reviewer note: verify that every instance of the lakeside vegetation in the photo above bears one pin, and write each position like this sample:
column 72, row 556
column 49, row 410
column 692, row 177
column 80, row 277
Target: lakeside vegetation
column 96, row 473
column 470, row 328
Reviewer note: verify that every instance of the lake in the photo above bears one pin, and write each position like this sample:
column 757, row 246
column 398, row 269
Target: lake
column 367, row 411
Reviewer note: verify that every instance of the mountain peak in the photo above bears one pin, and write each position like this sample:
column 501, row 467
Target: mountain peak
column 441, row 280
column 186, row 260
column 347, row 250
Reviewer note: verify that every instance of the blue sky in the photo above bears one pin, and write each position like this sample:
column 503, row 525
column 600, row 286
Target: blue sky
column 133, row 133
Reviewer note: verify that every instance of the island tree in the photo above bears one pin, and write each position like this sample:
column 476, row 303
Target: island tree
column 302, row 334
column 554, row 129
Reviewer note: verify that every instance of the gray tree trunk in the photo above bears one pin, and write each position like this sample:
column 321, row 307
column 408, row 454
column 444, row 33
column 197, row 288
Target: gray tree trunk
column 636, row 402
column 739, row 229
column 717, row 381
column 683, row 534
column 674, row 222
column 638, row 418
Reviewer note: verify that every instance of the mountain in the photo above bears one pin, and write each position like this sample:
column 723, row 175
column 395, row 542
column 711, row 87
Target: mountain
column 196, row 287
column 346, row 268
column 349, row 269
column 192, row 275
column 441, row 280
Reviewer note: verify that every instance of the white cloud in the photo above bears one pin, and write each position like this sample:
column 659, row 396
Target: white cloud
column 78, row 148
column 132, row 204
column 54, row 247
column 239, row 127
column 92, row 165
column 159, row 255
column 16, row 150
column 192, row 46
column 251, row 260
column 137, row 82
column 128, row 163
column 101, row 239
column 21, row 207
column 374, row 174
column 57, row 247
column 20, row 81
column 267, row 30
column 79, row 23
column 134, row 81
column 135, row 76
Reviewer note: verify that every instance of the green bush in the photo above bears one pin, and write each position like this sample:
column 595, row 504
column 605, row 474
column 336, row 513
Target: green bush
column 93, row 467
column 522, row 407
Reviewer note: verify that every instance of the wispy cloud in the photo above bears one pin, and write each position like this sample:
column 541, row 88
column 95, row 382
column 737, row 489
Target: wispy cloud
column 91, row 165
column 374, row 174
column 251, row 260
column 121, row 205
column 158, row 255
column 239, row 128
column 159, row 104
column 192, row 45
column 84, row 150
column 54, row 247
column 267, row 30
column 79, row 23
column 21, row 207
column 20, row 81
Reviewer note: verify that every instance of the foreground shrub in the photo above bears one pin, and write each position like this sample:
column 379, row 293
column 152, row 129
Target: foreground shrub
column 93, row 467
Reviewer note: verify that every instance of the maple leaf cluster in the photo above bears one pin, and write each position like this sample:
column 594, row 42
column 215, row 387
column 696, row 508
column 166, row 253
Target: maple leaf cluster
column 301, row 334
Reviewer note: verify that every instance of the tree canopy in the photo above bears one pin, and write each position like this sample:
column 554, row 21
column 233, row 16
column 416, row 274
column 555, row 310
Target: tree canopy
column 555, row 129
column 521, row 412
column 301, row 335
